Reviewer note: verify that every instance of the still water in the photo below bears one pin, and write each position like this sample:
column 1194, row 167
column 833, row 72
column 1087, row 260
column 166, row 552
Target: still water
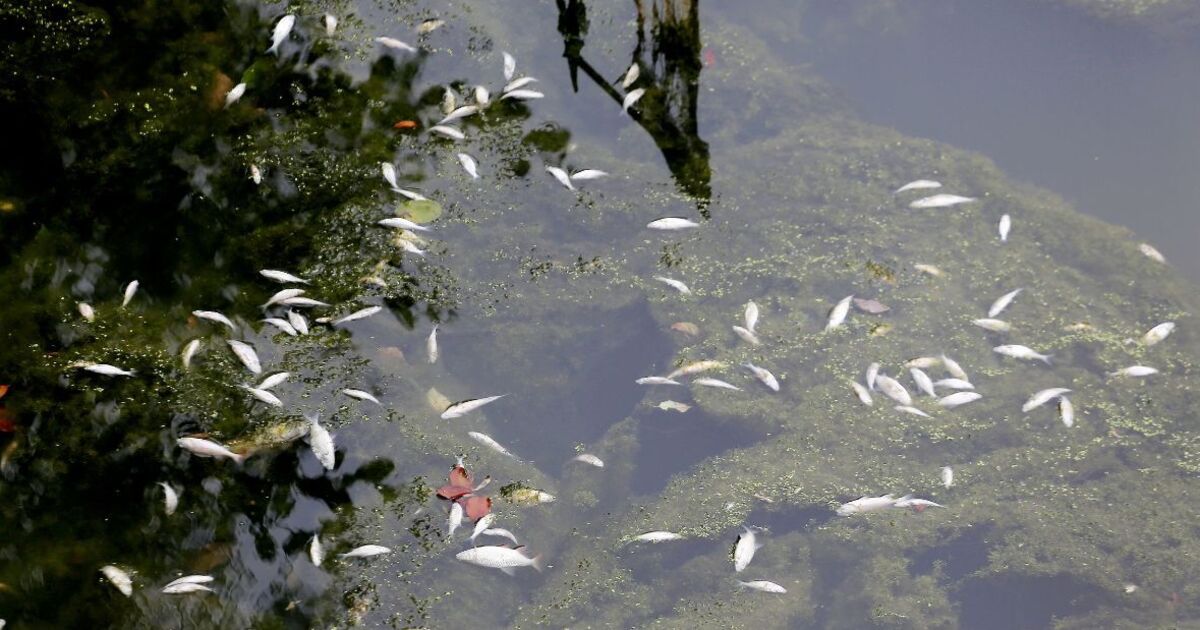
column 781, row 131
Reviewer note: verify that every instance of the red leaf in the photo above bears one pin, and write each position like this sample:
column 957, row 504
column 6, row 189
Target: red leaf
column 3, row 390
column 460, row 477
column 452, row 492
column 476, row 507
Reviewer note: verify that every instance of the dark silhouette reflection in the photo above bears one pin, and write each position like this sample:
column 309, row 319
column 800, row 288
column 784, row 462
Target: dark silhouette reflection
column 670, row 76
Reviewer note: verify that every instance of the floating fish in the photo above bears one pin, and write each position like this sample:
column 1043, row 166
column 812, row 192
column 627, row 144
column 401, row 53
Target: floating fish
column 234, row 94
column 282, row 276
column 189, row 351
column 954, row 368
column 1022, row 352
column 298, row 322
column 431, row 345
column 765, row 586
column 510, row 66
column 590, row 460
column 872, row 374
column 170, row 498
column 947, row 476
column 958, row 398
column 409, row 247
column 873, row 307
column 865, row 505
column 482, row 525
column 631, row 75
column 750, row 316
column 316, row 552
column 130, row 290
column 922, row 363
column 105, row 369
column 657, row 537
column 410, row 194
column 449, row 102
column 118, row 578
column 503, row 533
column 939, row 201
column 302, row 302
column 715, row 382
column 924, row 383
column 837, row 315
column 256, row 175
column 672, row 405
column 994, row 325
column 281, row 295
column 503, row 558
column 928, row 269
column 920, row 184
column 460, row 409
column 449, row 132
column 764, row 376
column 522, row 95
column 917, row 504
column 207, row 448
column 357, row 315
column 744, row 550
column 428, row 26
column 588, row 174
column 631, row 99
column 459, row 113
column 264, row 396
column 517, row 84
column 746, row 335
column 389, row 174
column 674, row 284
column 953, row 383
column 483, row 96
column 282, row 28
column 187, row 587
column 191, row 579
column 1134, row 370
column 1002, row 302
column 1150, row 252
column 454, row 521
column 246, row 354
column 395, row 44
column 1156, row 334
column 657, row 380
column 561, row 176
column 1005, row 226
column 321, row 442
column 913, row 410
column 214, row 316
column 86, row 311
column 893, row 389
column 487, row 441
column 687, row 328
column 361, row 395
column 863, row 393
column 1043, row 397
column 330, row 22
column 468, row 164
column 282, row 324
column 366, row 551
column 672, row 223
column 1066, row 412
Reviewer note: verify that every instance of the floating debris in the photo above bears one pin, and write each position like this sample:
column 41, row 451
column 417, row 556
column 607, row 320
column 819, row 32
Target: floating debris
column 671, row 405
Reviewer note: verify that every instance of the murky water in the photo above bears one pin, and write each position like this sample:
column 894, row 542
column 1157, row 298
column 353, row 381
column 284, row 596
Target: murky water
column 782, row 129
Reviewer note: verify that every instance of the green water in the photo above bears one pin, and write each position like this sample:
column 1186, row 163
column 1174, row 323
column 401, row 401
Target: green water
column 122, row 164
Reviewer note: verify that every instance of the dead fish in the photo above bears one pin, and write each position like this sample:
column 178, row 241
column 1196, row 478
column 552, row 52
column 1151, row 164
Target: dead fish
column 631, row 99
column 590, row 460
column 460, row 409
column 716, row 382
column 1156, row 334
column 1150, row 252
column 431, row 345
column 468, row 164
column 919, row 184
column 214, row 316
column 528, row 496
column 366, row 551
column 958, row 398
column 765, row 586
column 657, row 380
column 674, row 284
column 105, row 369
column 256, row 175
column 506, row 559
column 750, row 316
column 1134, row 370
column 246, row 354
column 316, row 552
column 170, row 498
column 264, row 396
column 631, row 75
column 449, row 132
column 672, row 405
column 282, row 276
column 191, row 579
column 928, row 269
column 487, row 441
column 1043, row 397
column 395, row 44
column 428, row 26
column 330, row 22
column 872, row 374
column 207, row 448
column 130, row 290
column 994, row 325
column 449, row 102
column 284, row 294
column 86, row 311
column 954, row 368
column 561, row 176
column 1005, row 226
column 281, row 324
column 522, row 95
column 189, row 351
column 186, row 587
column 947, row 476
column 893, row 389
column 744, row 550
column 923, row 363
column 917, row 504
column 863, row 394
column 282, row 28
column 517, row 84
column 939, row 201
column 510, row 66
column 913, row 410
column 672, row 223
column 657, row 537
column 1066, row 412
column 924, row 383
column 953, row 383
column 864, row 505
column 837, row 315
column 410, row 194
column 234, row 94
column 1003, row 302
column 321, row 442
column 746, row 335
column 873, row 307
column 687, row 328
column 459, row 113
column 389, row 174
column 503, row 533
column 588, row 174
column 302, row 302
column 409, row 247
column 118, row 578
column 357, row 315
column 454, row 521
column 298, row 322
column 482, row 525
column 361, row 395
column 1022, row 352
column 764, row 376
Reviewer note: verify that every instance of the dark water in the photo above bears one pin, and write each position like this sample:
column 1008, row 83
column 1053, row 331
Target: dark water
column 123, row 164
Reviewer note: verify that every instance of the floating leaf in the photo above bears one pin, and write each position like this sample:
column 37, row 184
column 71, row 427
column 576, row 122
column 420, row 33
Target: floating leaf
column 422, row 211
column 475, row 507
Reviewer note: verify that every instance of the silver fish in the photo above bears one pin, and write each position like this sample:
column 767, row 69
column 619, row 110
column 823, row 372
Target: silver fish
column 947, row 476
column 929, row 269
column 674, row 284
column 454, row 521
column 282, row 324
column 316, row 552
column 234, row 94
column 460, row 409
column 746, row 335
column 1135, row 370
column 715, row 382
column 330, row 22
column 958, row 398
column 1002, row 302
column 86, row 311
column 503, row 533
column 657, row 537
column 487, row 441
column 449, row 132
column 750, row 316
column 1154, row 335
column 298, row 322
column 953, row 383
column 863, row 394
column 837, row 315
column 510, row 66
column 189, row 351
column 939, row 201
column 994, row 325
column 357, row 315
column 264, row 396
column 1066, row 411
column 562, row 176
column 281, row 295
column 917, row 504
column 1022, row 352
column 170, row 498
column 282, row 28
column 657, row 380
column 105, row 369
column 206, row 448
column 864, row 505
column 409, row 247
column 482, row 525
column 282, row 277
column 923, row 363
column 590, row 460
column 130, row 290
column 246, row 354
column 924, row 383
column 449, row 102
column 119, row 579
column 631, row 75
column 366, row 551
column 1043, row 397
column 483, row 97
column 893, row 389
column 468, row 164
column 517, row 84
column 744, row 550
column 522, row 95
column 913, row 410
column 187, row 587
column 503, row 558
column 410, row 194
column 395, row 44
column 214, row 316
column 588, row 174
column 191, row 579
column 256, row 175
column 919, row 184
column 632, row 98
column 459, row 113
column 954, row 368
column 673, row 405
column 872, row 374
column 361, row 395
column 763, row 375
column 1005, row 226
column 431, row 345
column 672, row 223
column 428, row 26
column 1150, row 252
column 765, row 586
column 321, row 442
column 274, row 379
column 389, row 174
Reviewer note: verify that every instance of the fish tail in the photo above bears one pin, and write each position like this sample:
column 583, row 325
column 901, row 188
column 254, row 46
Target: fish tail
column 1046, row 358
column 538, row 563
column 238, row 459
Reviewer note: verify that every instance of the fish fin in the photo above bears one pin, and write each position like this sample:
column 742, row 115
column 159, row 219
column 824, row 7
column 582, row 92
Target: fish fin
column 509, row 571
column 537, row 563
column 1046, row 359
column 907, row 497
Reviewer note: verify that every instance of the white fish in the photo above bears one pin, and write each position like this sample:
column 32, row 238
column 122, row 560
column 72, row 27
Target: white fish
column 330, row 22
column 918, row 504
column 924, row 383
column 298, row 322
column 361, row 395
column 590, row 460
column 631, row 98
column 523, row 95
column 469, row 165
column 503, row 558
column 746, row 335
column 246, row 354
column 893, row 389
column 301, row 302
column 517, row 84
column 510, row 66
column 118, row 578
column 994, row 325
column 674, row 284
column 672, row 223
column 503, row 533
column 750, row 316
column 189, row 351
column 395, row 44
column 366, row 551
column 316, row 552
column 1022, row 352
column 1005, row 226
column 487, row 441
column 1150, row 252
column 631, row 75
column 482, row 525
column 863, row 393
column 449, row 132
column 428, row 26
column 923, row 363
column 954, row 368
column 872, row 374
column 281, row 295
column 588, row 174
column 657, row 537
column 947, row 476
column 357, row 315
column 281, row 324
column 1066, row 411
column 1152, row 336
column 130, row 290
column 1043, row 397
column 743, row 551
column 264, row 396
column 214, row 316
column 958, row 398
column 460, row 409
column 716, row 382
column 561, row 176
column 919, row 184
column 864, row 505
column 206, row 448
column 483, row 96
column 673, row 405
column 431, row 345
column 928, row 269
column 321, row 442
column 389, row 173
column 282, row 277
column 1135, row 370
column 191, row 579
column 282, row 28
column 409, row 247
column 449, row 102
column 837, row 315
column 765, row 586
column 459, row 113
column 697, row 367
column 186, row 587
column 1003, row 302
column 953, row 383
column 255, row 174
column 105, row 369
column 170, row 498
column 410, row 194
column 939, row 201
column 86, row 311
column 234, row 94
column 455, row 519
column 274, row 379
column 657, row 380
column 913, row 410
column 763, row 375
